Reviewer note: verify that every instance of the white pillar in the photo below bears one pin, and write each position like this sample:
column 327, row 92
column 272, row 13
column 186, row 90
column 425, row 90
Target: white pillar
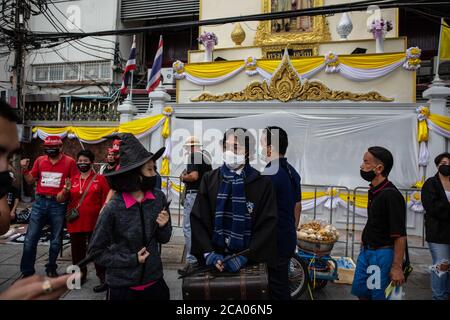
column 437, row 95
column 159, row 97
column 127, row 111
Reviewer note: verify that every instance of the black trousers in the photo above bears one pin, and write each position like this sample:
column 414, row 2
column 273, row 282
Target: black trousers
column 157, row 291
column 279, row 279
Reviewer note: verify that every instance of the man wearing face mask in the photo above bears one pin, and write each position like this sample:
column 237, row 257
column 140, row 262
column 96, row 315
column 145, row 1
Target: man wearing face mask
column 49, row 172
column 112, row 158
column 286, row 182
column 235, row 209
column 383, row 240
column 197, row 166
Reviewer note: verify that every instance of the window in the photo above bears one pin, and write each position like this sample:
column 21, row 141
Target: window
column 91, row 70
column 71, row 71
column 56, row 72
column 41, row 73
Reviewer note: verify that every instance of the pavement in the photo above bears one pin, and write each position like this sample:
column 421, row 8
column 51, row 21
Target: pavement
column 417, row 287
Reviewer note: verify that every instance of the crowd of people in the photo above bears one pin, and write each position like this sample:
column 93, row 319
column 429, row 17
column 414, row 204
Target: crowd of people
column 119, row 217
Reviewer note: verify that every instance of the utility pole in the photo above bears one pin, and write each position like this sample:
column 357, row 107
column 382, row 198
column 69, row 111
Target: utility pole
column 20, row 17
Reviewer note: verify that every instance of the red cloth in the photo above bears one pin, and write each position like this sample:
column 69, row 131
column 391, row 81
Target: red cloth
column 51, row 177
column 92, row 203
column 144, row 286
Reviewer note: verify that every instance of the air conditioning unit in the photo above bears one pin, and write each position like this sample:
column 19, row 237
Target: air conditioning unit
column 168, row 76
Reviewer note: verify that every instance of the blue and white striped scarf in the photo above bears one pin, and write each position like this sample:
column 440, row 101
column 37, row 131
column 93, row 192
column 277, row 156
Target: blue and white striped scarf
column 232, row 229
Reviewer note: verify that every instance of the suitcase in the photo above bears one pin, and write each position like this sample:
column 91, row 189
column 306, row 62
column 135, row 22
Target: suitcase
column 251, row 283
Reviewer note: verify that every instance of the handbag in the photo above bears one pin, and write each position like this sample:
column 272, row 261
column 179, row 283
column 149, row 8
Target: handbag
column 73, row 214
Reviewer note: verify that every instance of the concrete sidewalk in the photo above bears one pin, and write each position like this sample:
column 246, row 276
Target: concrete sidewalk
column 417, row 288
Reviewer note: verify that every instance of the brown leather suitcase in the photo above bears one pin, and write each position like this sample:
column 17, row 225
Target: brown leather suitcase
column 251, row 283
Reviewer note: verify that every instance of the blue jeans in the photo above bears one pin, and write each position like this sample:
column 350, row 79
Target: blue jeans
column 440, row 286
column 44, row 210
column 188, row 204
column 376, row 265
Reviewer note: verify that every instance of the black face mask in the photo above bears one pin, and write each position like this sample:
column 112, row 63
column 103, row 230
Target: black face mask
column 84, row 167
column 52, row 152
column 444, row 169
column 367, row 175
column 111, row 163
column 148, row 183
column 5, row 183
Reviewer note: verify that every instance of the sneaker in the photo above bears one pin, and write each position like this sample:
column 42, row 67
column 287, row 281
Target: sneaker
column 102, row 287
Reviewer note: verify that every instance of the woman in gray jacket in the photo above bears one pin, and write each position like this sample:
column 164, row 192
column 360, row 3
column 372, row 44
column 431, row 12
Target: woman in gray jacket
column 132, row 226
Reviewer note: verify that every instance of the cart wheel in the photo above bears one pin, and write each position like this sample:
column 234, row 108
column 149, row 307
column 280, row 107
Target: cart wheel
column 297, row 277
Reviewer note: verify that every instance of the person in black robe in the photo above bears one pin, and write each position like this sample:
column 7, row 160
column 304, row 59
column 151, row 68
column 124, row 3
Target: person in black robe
column 215, row 217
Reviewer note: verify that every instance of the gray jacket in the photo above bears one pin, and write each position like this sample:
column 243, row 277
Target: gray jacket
column 120, row 233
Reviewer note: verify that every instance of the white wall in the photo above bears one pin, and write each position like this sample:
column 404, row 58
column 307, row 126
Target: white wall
column 94, row 15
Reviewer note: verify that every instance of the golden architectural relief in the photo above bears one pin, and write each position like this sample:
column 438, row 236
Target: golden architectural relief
column 285, row 86
column 266, row 34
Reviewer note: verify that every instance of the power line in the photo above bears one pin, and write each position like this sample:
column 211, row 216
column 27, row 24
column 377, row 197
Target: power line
column 325, row 10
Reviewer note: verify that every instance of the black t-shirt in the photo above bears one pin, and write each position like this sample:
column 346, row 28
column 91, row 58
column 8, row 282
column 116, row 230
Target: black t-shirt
column 197, row 162
column 11, row 196
column 386, row 216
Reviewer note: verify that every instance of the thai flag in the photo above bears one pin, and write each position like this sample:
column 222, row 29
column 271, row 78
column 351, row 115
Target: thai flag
column 131, row 66
column 155, row 76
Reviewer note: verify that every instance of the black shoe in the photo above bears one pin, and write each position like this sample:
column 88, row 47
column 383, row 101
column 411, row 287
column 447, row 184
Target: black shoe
column 52, row 274
column 102, row 287
column 187, row 268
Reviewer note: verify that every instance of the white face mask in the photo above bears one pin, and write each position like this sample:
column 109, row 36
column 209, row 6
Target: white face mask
column 233, row 161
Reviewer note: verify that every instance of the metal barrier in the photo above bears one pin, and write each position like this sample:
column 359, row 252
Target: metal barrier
column 168, row 192
column 331, row 189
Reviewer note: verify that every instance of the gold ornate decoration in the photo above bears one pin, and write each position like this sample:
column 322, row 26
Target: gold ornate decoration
column 285, row 86
column 320, row 30
column 238, row 34
column 299, row 50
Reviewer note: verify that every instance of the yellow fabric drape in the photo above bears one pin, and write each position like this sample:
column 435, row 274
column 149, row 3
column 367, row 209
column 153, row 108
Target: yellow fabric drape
column 51, row 130
column 165, row 171
column 92, row 133
column 213, row 70
column 135, row 127
column 165, row 133
column 371, row 61
column 441, row 121
column 141, row 125
column 310, row 195
column 301, row 65
column 422, row 131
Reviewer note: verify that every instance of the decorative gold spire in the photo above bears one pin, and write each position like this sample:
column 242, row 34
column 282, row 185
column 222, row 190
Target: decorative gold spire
column 238, row 34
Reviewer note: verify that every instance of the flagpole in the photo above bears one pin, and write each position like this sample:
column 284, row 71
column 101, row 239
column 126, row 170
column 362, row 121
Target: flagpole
column 436, row 76
column 132, row 73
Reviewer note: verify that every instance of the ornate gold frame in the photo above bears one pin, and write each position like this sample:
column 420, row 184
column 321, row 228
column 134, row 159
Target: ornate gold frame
column 285, row 85
column 264, row 35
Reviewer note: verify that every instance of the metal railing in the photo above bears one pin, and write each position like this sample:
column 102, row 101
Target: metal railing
column 75, row 111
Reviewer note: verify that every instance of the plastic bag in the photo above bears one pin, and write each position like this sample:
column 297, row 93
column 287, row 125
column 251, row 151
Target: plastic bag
column 396, row 293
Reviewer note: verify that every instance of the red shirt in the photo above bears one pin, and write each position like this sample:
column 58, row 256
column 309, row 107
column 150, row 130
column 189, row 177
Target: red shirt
column 51, row 177
column 92, row 203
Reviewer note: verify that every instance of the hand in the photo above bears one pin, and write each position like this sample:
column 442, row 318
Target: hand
column 397, row 276
column 143, row 255
column 25, row 163
column 12, row 215
column 214, row 259
column 67, row 184
column 31, row 289
column 235, row 264
column 163, row 218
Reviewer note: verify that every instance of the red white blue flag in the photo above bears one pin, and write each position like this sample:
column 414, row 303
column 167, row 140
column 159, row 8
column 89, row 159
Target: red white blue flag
column 155, row 75
column 131, row 66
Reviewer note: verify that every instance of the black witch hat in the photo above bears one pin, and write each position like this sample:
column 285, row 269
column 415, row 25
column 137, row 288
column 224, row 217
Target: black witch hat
column 132, row 153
